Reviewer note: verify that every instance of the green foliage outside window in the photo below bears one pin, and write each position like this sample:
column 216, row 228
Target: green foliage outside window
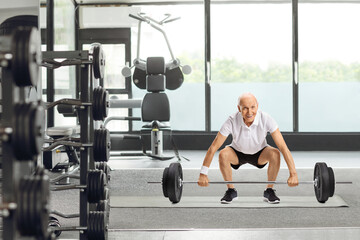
column 230, row 70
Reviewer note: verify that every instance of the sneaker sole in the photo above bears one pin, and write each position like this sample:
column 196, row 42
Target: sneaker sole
column 226, row 202
column 271, row 202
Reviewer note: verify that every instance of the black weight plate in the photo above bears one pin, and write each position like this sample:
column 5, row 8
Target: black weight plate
column 91, row 188
column 98, row 61
column 37, row 124
column 19, row 142
column 139, row 78
column 331, row 181
column 95, row 109
column 96, row 147
column 174, row 187
column 30, row 211
column 18, row 57
column 102, row 183
column 97, row 228
column 94, row 188
column 322, row 188
column 103, row 166
column 22, row 205
column 102, row 145
column 106, row 169
column 165, row 180
column 107, row 145
column 12, row 23
column 26, row 131
column 25, row 66
column 105, row 104
column 103, row 206
column 174, row 78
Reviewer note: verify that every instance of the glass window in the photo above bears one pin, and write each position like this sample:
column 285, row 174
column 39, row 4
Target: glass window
column 114, row 63
column 186, row 38
column 64, row 40
column 329, row 63
column 251, row 52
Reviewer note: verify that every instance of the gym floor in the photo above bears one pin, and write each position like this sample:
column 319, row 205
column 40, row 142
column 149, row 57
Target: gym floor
column 129, row 177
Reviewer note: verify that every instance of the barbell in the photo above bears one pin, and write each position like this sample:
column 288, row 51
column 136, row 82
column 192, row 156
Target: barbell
column 96, row 229
column 96, row 186
column 323, row 181
column 101, row 145
column 100, row 104
column 97, row 61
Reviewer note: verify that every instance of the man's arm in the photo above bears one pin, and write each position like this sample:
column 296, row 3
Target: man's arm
column 216, row 144
column 280, row 143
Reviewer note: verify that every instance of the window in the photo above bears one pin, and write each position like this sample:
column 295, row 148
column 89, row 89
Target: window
column 251, row 52
column 329, row 56
column 186, row 37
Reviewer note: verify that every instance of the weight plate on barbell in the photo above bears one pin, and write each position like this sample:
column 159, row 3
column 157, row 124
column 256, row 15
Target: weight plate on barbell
column 96, row 186
column 28, row 133
column 164, row 182
column 98, row 60
column 331, row 181
column 322, row 178
column 100, row 104
column 102, row 145
column 103, row 166
column 95, row 109
column 97, row 226
column 174, row 184
column 27, row 55
column 33, row 213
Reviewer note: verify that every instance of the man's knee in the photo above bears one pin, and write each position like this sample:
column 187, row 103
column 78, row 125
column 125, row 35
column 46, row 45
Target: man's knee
column 275, row 156
column 224, row 156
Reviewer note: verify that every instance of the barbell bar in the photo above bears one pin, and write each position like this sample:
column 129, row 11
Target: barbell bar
column 100, row 103
column 96, row 229
column 324, row 182
column 96, row 186
column 101, row 145
column 96, row 52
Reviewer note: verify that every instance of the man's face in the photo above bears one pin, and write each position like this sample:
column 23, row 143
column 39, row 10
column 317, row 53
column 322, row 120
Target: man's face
column 248, row 109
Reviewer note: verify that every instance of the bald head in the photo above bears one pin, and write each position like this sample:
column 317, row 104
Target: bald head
column 246, row 97
column 248, row 106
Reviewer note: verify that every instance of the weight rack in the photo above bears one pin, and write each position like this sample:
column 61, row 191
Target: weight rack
column 86, row 119
column 19, row 74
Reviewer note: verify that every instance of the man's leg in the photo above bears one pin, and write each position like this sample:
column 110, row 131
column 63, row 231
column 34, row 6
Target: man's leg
column 227, row 156
column 272, row 156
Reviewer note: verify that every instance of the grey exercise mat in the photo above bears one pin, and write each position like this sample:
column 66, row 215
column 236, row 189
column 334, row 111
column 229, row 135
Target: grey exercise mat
column 214, row 202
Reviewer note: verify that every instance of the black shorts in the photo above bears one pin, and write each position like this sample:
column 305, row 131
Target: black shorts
column 248, row 158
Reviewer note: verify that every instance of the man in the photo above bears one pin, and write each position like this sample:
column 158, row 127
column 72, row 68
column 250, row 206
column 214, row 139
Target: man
column 249, row 128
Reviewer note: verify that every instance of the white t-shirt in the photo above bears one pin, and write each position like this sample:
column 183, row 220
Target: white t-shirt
column 249, row 140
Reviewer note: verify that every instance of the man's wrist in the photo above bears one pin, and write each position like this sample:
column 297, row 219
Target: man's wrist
column 204, row 170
